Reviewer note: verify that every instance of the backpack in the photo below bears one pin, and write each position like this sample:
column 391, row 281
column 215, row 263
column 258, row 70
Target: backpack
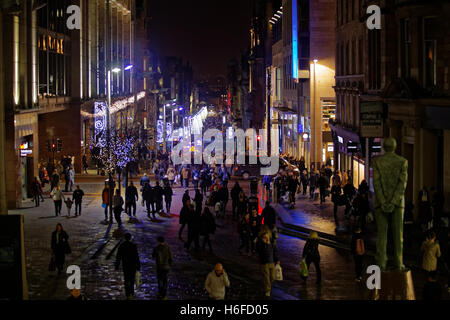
column 360, row 250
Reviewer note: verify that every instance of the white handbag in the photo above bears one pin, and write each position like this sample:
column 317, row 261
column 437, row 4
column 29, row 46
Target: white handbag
column 138, row 280
column 278, row 273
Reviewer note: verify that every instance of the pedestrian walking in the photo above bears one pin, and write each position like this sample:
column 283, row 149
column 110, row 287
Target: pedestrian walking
column 117, row 207
column 71, row 178
column 186, row 197
column 37, row 191
column 163, row 258
column 304, row 181
column 69, row 203
column 149, row 198
column 361, row 205
column 168, row 193
column 207, row 227
column 313, row 182
column 431, row 252
column 193, row 225
column 336, row 191
column 128, row 256
column 185, row 176
column 268, row 259
column 198, row 200
column 216, row 282
column 292, row 188
column 425, row 210
column 60, row 247
column 324, row 184
column 244, row 232
column 105, row 200
column 185, row 214
column 58, row 198
column 85, row 164
column 131, row 197
column 242, row 205
column 311, row 254
column 358, row 251
column 77, row 198
column 349, row 192
column 223, row 196
column 235, row 191
column 171, row 175
column 158, row 196
column 255, row 227
column 269, row 216
column 54, row 179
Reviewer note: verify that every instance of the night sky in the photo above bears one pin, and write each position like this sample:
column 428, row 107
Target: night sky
column 207, row 33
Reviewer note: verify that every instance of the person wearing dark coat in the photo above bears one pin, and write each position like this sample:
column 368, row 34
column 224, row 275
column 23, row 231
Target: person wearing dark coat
column 269, row 216
column 362, row 206
column 242, row 205
column 77, row 198
column 164, row 258
column 128, row 256
column 235, row 198
column 193, row 225
column 292, row 187
column 304, row 181
column 244, row 231
column 131, row 196
column 198, row 200
column 255, row 226
column 148, row 195
column 336, row 191
column 223, row 198
column 60, row 246
column 168, row 193
column 311, row 254
column 324, row 183
column 158, row 194
column 207, row 227
column 203, row 181
column 186, row 197
column 349, row 192
column 185, row 214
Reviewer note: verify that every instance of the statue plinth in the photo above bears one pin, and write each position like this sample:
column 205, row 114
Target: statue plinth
column 395, row 285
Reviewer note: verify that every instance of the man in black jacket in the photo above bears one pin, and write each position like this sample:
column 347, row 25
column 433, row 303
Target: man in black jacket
column 158, row 194
column 131, row 196
column 163, row 257
column 268, row 259
column 235, row 198
column 269, row 215
column 149, row 197
column 127, row 254
column 77, row 197
column 185, row 215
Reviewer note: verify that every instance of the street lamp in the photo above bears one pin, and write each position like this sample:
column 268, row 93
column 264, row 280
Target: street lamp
column 108, row 140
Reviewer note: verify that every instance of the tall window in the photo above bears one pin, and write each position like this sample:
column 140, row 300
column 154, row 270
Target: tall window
column 360, row 56
column 347, row 59
column 405, row 38
column 429, row 54
column 353, row 56
column 374, row 59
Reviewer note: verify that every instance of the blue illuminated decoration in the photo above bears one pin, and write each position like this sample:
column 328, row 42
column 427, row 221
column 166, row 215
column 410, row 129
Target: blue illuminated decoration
column 294, row 39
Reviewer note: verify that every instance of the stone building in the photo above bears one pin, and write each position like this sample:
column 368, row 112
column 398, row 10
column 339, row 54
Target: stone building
column 53, row 77
column 403, row 69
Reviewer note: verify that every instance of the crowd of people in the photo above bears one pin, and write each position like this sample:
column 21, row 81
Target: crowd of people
column 257, row 232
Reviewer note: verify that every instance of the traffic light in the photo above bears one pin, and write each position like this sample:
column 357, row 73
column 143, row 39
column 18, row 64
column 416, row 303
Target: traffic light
column 258, row 138
column 58, row 145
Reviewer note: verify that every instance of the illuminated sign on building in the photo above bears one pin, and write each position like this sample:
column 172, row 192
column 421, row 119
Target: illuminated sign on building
column 100, row 124
column 295, row 39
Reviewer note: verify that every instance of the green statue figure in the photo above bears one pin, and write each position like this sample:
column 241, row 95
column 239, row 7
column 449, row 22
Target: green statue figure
column 390, row 175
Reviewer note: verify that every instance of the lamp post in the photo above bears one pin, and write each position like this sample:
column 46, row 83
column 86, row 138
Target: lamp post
column 108, row 139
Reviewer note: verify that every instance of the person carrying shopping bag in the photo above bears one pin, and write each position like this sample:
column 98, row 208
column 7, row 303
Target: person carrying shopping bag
column 311, row 255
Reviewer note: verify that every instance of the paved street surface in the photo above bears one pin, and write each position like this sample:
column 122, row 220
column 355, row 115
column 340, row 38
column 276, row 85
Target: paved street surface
column 94, row 250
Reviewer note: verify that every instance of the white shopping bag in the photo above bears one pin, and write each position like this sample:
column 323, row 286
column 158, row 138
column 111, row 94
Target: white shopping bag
column 278, row 273
column 138, row 281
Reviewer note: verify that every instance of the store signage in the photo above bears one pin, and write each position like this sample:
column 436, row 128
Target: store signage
column 340, row 139
column 352, row 147
column 371, row 119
